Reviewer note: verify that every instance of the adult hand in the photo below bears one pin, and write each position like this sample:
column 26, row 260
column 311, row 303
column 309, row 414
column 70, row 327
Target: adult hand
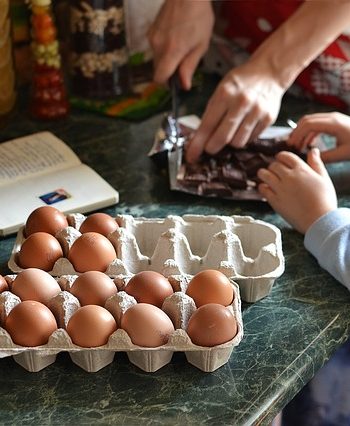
column 179, row 37
column 332, row 123
column 301, row 193
column 245, row 102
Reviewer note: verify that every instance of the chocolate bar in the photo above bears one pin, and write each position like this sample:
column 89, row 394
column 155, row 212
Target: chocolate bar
column 232, row 172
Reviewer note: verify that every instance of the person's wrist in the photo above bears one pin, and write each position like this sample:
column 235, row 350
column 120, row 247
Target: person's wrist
column 265, row 68
column 270, row 63
column 312, row 217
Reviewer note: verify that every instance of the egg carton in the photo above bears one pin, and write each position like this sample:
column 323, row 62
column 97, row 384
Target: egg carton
column 178, row 307
column 245, row 249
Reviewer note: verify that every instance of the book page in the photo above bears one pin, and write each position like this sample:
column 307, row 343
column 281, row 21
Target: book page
column 73, row 189
column 34, row 155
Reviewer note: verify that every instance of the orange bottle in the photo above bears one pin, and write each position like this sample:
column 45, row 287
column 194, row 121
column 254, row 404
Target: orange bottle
column 48, row 96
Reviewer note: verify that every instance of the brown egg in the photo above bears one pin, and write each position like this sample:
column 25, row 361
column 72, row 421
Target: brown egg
column 212, row 325
column 3, row 284
column 45, row 219
column 30, row 323
column 149, row 287
column 91, row 252
column 93, row 288
column 39, row 250
column 147, row 325
column 35, row 284
column 99, row 222
column 90, row 326
column 210, row 286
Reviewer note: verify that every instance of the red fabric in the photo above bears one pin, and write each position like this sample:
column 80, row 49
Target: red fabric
column 327, row 79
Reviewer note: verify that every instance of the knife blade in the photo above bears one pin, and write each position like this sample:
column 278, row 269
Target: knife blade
column 174, row 92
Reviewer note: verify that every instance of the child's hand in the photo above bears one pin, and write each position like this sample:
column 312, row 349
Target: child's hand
column 301, row 193
column 332, row 123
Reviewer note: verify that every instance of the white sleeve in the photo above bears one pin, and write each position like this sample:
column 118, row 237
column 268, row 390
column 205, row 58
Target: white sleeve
column 328, row 239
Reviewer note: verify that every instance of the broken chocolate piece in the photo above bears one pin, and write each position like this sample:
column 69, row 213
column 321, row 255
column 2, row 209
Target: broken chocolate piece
column 232, row 172
column 254, row 164
column 236, row 178
column 268, row 146
column 215, row 188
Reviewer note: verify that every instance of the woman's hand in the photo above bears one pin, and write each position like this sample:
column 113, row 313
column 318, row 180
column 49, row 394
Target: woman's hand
column 331, row 123
column 245, row 102
column 301, row 193
column 179, row 38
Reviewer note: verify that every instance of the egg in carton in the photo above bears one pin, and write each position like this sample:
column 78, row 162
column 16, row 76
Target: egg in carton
column 65, row 236
column 245, row 249
column 179, row 307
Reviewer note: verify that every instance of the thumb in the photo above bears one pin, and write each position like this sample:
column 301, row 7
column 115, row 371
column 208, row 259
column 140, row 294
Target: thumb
column 188, row 67
column 315, row 162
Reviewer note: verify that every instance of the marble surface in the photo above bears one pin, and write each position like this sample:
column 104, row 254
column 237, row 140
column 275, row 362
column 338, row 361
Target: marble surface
column 288, row 335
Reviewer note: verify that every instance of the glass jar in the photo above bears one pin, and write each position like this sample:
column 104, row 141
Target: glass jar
column 7, row 72
column 98, row 52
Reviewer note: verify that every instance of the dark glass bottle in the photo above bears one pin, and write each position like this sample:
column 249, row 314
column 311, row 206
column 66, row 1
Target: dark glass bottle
column 98, row 52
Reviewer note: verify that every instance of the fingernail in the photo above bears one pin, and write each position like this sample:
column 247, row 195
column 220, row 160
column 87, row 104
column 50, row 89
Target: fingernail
column 314, row 152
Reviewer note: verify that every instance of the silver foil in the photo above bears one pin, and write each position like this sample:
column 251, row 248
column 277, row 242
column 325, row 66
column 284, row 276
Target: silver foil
column 168, row 148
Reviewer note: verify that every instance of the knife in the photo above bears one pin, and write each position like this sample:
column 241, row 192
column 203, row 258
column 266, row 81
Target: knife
column 169, row 136
column 174, row 92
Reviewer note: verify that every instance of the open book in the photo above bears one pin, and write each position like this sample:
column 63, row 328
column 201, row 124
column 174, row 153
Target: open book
column 40, row 169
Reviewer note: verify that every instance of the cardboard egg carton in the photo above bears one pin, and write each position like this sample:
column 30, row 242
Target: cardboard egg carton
column 247, row 250
column 178, row 307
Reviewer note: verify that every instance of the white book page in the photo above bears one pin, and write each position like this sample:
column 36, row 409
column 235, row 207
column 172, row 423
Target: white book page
column 85, row 190
column 34, row 155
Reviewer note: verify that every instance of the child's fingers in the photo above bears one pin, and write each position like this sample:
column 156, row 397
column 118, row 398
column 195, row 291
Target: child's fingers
column 308, row 140
column 268, row 177
column 266, row 192
column 340, row 153
column 311, row 124
column 288, row 159
column 315, row 162
column 279, row 169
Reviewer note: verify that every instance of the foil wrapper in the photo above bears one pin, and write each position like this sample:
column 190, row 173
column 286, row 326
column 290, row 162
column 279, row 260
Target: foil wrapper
column 170, row 136
column 231, row 173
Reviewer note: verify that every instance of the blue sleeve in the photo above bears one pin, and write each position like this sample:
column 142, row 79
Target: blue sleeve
column 328, row 239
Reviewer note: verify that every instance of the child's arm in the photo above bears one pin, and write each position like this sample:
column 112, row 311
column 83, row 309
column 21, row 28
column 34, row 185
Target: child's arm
column 328, row 239
column 331, row 123
column 304, row 195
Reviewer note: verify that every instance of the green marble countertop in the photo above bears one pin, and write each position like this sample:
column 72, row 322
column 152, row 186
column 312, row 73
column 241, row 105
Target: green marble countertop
column 288, row 335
